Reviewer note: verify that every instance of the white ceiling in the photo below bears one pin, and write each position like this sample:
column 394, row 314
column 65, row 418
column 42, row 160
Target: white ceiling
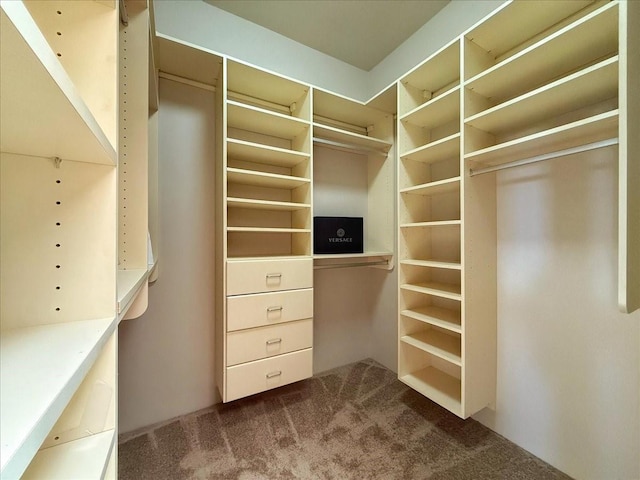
column 359, row 32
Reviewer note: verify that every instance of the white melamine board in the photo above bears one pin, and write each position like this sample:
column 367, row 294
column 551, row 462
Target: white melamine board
column 40, row 370
column 129, row 284
column 349, row 138
column 188, row 61
column 263, row 179
column 439, row 70
column 432, row 264
column 265, row 204
column 265, row 154
column 444, row 290
column 434, row 188
column 83, row 35
column 63, row 254
column 593, row 129
column 264, row 85
column 268, row 230
column 351, row 112
column 594, row 84
column 43, row 114
column 439, row 223
column 440, row 317
column 259, row 120
column 436, row 385
column 439, row 111
column 436, row 343
column 518, row 22
column 588, row 39
column 87, row 457
column 435, row 151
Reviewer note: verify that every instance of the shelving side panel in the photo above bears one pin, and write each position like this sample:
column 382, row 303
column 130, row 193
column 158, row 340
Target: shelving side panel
column 84, row 36
column 58, row 241
column 629, row 158
column 32, row 77
column 133, row 151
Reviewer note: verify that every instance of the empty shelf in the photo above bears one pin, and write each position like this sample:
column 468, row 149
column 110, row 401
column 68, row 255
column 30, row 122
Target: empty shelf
column 439, row 111
column 435, row 188
column 432, row 264
column 129, row 284
column 443, row 290
column 435, row 223
column 259, row 120
column 440, row 317
column 265, row 204
column 263, row 179
column 267, row 230
column 264, row 154
column 440, row 344
column 438, row 386
column 435, row 151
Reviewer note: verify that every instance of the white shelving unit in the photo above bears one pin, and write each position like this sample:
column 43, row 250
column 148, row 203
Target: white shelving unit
column 60, row 165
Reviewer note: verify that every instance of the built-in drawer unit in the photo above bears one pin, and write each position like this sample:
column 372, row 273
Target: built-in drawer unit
column 268, row 275
column 257, row 343
column 255, row 377
column 260, row 309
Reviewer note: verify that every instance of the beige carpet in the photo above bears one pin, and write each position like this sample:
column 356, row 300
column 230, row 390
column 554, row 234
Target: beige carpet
column 354, row 422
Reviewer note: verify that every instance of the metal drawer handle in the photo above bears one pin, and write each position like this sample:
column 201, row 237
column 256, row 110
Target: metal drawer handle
column 274, row 275
column 273, row 341
column 274, row 374
column 274, row 309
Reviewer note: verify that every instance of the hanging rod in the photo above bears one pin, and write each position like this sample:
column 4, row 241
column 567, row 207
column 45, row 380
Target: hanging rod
column 353, row 264
column 547, row 156
column 346, row 146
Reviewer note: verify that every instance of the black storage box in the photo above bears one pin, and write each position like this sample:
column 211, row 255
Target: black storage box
column 337, row 235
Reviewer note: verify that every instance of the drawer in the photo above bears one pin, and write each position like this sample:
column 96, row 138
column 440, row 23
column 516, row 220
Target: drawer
column 260, row 309
column 269, row 275
column 256, row 343
column 261, row 375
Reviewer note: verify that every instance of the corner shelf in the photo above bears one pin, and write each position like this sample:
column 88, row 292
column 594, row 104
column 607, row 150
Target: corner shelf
column 129, row 284
column 264, row 179
column 436, row 151
column 437, row 316
column 442, row 345
column 434, row 188
column 250, row 118
column 264, row 154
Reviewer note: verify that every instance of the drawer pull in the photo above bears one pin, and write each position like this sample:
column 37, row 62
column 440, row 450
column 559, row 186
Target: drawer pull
column 274, row 275
column 273, row 341
column 274, row 374
column 274, row 309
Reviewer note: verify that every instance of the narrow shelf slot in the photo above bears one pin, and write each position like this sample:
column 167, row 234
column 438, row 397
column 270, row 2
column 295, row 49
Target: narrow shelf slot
column 435, row 151
column 40, row 369
column 259, row 120
column 443, row 290
column 265, row 204
column 263, row 179
column 440, row 317
column 264, row 154
column 87, row 457
column 434, row 188
column 442, row 345
column 438, row 386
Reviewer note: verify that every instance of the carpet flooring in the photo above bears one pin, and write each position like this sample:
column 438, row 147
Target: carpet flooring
column 353, row 422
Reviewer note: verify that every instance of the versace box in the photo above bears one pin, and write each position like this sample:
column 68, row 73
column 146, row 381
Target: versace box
column 337, row 235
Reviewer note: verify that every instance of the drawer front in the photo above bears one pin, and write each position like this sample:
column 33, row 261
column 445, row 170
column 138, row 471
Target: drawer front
column 257, row 343
column 255, row 276
column 261, row 375
column 261, row 309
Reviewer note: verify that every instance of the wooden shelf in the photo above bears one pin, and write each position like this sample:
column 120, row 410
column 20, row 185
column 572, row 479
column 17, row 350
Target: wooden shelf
column 440, row 317
column 40, row 370
column 263, row 179
column 432, row 264
column 87, row 457
column 129, row 284
column 265, row 204
column 348, row 138
column 43, row 114
column 438, row 386
column 268, row 230
column 435, row 151
column 438, row 71
column 264, row 154
column 440, row 344
column 589, row 86
column 592, row 129
column 591, row 37
column 443, row 290
column 373, row 259
column 439, row 111
column 438, row 223
column 434, row 188
column 259, row 120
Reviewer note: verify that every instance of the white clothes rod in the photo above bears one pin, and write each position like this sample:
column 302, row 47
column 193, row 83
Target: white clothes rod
column 547, row 156
column 346, row 146
column 186, row 81
column 353, row 264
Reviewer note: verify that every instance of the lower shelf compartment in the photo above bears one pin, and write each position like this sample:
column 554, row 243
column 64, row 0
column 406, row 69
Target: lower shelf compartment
column 438, row 386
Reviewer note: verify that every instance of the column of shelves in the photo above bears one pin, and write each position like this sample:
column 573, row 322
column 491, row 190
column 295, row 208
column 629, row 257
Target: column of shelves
column 345, row 131
column 58, row 236
column 430, row 351
column 268, row 164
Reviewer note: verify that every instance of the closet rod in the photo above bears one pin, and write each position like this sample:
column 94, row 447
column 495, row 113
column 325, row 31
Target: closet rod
column 546, row 156
column 346, row 146
column 352, row 264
